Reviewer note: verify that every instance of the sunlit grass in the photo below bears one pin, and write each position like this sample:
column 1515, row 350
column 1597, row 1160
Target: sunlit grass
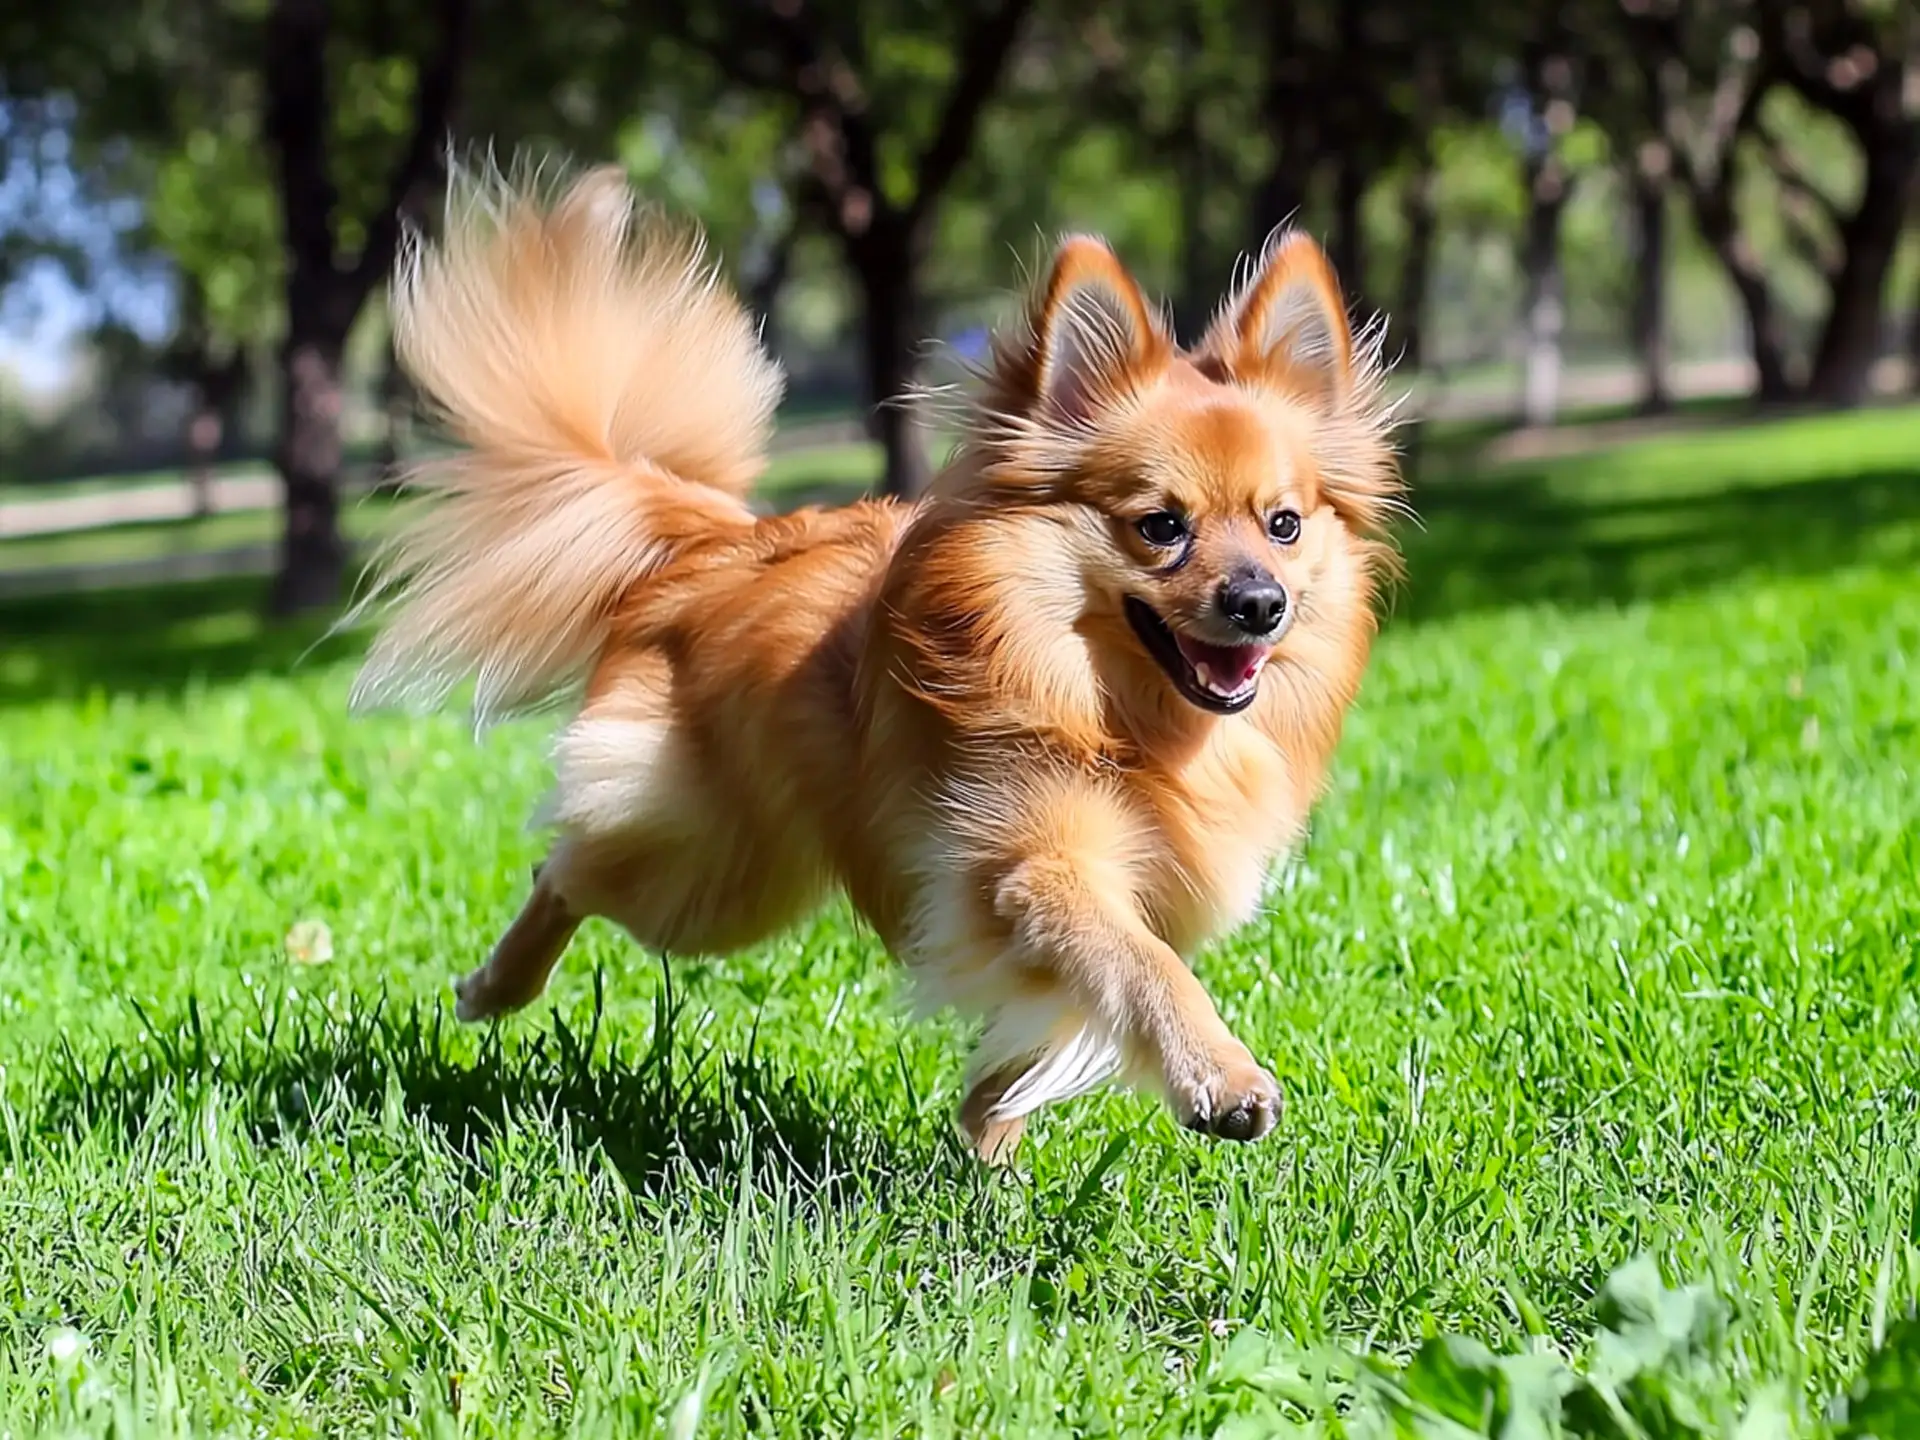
column 1603, row 943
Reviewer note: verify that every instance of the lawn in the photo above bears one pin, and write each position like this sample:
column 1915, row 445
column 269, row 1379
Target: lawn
column 1602, row 947
column 363, row 518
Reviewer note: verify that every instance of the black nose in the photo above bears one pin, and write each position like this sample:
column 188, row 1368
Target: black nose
column 1255, row 602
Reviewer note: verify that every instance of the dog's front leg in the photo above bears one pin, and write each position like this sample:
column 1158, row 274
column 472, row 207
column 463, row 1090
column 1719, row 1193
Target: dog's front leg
column 1078, row 925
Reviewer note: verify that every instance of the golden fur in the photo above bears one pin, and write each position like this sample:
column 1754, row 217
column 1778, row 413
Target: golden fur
column 946, row 709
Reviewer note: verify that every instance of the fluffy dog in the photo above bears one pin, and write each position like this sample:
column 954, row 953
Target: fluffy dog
column 1048, row 727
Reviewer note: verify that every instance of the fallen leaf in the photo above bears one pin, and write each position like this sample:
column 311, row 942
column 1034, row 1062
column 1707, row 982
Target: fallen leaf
column 310, row 942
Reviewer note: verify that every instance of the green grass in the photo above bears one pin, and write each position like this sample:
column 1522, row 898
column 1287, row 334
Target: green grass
column 358, row 452
column 818, row 473
column 1602, row 945
column 361, row 519
column 821, row 473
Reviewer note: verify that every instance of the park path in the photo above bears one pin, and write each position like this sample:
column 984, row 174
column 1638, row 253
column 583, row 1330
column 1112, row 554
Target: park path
column 255, row 488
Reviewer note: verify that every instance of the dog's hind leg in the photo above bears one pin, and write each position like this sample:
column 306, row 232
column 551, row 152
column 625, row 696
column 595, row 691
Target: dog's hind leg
column 516, row 972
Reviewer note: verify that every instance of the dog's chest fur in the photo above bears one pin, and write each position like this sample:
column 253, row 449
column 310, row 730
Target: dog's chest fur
column 1218, row 822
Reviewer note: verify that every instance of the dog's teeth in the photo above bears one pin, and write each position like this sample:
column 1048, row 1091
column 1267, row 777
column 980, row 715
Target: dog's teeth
column 1215, row 682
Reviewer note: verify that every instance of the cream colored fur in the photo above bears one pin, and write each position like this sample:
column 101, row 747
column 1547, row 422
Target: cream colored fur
column 588, row 358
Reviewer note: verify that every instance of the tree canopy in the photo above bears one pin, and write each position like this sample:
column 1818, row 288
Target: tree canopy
column 909, row 155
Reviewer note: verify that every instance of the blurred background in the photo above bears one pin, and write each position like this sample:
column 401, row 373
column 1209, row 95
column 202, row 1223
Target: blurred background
column 1588, row 221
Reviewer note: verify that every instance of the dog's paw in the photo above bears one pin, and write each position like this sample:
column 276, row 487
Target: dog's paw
column 473, row 1001
column 1234, row 1102
column 996, row 1142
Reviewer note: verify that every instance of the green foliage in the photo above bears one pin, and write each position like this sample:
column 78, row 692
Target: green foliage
column 212, row 209
column 997, row 231
column 170, row 104
column 720, row 163
column 1480, row 185
column 1797, row 249
column 1454, row 1388
column 1884, row 1402
column 1660, row 1365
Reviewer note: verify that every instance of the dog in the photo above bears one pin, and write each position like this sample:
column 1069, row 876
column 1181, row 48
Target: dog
column 1048, row 727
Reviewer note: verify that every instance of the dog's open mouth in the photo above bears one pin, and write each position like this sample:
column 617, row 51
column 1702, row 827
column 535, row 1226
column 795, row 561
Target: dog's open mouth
column 1220, row 678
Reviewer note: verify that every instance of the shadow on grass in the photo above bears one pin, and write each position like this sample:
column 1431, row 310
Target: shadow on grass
column 156, row 640
column 1523, row 539
column 654, row 1113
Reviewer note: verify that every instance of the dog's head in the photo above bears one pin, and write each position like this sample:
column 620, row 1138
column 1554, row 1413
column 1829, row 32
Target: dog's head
column 1222, row 503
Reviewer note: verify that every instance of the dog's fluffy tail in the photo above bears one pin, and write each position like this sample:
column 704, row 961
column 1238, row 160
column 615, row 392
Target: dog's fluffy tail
column 613, row 402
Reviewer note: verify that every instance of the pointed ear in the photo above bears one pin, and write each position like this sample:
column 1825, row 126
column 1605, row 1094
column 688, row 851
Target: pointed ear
column 1092, row 331
column 1289, row 323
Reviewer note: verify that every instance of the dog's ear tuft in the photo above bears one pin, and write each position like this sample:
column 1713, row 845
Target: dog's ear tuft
column 1288, row 323
column 1093, row 333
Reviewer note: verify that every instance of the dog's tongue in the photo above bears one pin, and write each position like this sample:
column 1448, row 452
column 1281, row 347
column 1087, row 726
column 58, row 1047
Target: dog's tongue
column 1226, row 670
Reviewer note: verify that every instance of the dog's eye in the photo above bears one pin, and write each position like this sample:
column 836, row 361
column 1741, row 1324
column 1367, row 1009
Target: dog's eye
column 1163, row 528
column 1284, row 527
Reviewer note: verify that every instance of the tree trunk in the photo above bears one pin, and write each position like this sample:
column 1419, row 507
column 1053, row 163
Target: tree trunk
column 1355, row 117
column 203, row 447
column 1420, row 200
column 1419, row 212
column 1194, row 299
column 1650, row 289
column 396, row 407
column 1281, row 194
column 1194, row 294
column 1286, row 114
column 888, row 269
column 324, row 291
column 764, row 290
column 1346, row 246
column 313, row 554
column 1551, row 84
column 1850, row 340
column 1714, row 213
column 1544, row 315
column 1913, row 339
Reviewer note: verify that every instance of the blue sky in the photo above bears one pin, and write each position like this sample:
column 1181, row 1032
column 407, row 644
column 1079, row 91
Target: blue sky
column 49, row 309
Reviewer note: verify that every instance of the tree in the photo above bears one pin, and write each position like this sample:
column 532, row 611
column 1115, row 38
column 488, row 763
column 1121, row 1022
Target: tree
column 555, row 72
column 879, row 160
column 1913, row 310
column 228, row 124
column 1552, row 68
column 1718, row 64
column 1419, row 198
column 1859, row 62
column 1649, row 176
column 1627, row 107
column 216, row 368
column 727, row 159
column 328, row 275
column 1172, row 85
column 1290, row 118
column 316, row 123
column 1705, row 65
column 209, row 210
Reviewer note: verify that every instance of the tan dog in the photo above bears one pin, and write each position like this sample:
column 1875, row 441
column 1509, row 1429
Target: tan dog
column 1048, row 728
